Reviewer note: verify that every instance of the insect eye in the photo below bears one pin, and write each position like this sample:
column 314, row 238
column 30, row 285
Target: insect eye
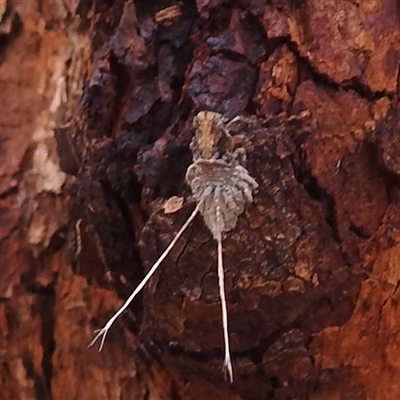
column 196, row 123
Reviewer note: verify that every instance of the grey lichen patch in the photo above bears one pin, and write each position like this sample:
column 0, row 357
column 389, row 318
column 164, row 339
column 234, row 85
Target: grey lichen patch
column 47, row 171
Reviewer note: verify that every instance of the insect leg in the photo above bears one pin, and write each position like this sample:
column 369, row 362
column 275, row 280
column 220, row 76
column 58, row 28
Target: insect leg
column 103, row 332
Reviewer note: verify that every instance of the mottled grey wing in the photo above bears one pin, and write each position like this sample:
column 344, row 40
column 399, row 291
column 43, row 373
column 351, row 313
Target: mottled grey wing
column 224, row 191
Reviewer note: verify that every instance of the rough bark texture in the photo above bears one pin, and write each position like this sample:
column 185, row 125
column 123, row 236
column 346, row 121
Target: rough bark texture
column 97, row 100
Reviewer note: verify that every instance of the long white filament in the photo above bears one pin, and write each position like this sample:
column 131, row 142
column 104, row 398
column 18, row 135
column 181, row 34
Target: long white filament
column 221, row 284
column 103, row 332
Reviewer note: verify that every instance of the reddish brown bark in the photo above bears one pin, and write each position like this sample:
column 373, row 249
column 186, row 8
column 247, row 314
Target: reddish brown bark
column 97, row 100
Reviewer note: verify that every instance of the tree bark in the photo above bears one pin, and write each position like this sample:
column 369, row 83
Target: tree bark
column 97, row 103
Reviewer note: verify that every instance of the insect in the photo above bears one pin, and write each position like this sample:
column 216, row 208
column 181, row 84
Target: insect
column 221, row 187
